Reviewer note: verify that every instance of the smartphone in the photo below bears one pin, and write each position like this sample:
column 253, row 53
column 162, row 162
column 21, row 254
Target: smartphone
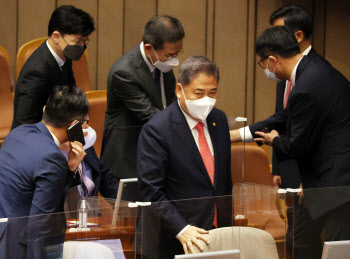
column 75, row 133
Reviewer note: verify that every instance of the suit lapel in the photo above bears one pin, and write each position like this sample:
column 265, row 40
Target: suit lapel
column 301, row 67
column 147, row 79
column 183, row 131
column 213, row 132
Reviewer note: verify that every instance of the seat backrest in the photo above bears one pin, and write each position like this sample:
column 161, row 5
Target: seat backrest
column 86, row 250
column 253, row 243
column 250, row 162
column 80, row 67
column 6, row 101
column 98, row 107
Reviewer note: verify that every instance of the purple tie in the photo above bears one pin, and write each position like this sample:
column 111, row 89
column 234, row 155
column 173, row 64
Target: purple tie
column 86, row 181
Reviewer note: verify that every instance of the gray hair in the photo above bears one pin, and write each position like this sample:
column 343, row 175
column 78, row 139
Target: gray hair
column 195, row 65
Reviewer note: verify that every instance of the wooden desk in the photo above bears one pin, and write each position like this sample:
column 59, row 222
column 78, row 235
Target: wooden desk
column 125, row 231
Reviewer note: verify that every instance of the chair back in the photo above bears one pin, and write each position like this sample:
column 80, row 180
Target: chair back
column 6, row 101
column 253, row 243
column 80, row 67
column 98, row 107
column 250, row 164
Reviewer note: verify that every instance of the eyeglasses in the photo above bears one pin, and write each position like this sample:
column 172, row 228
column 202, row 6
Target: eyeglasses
column 174, row 55
column 261, row 65
column 79, row 42
column 86, row 120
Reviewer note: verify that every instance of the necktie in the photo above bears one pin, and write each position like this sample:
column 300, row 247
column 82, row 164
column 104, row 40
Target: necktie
column 87, row 184
column 207, row 158
column 65, row 73
column 286, row 96
column 157, row 81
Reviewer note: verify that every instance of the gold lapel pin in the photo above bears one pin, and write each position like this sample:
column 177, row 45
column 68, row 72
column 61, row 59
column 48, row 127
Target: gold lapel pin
column 214, row 124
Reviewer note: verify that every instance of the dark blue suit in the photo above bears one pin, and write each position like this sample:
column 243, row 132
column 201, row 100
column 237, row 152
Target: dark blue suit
column 34, row 177
column 170, row 167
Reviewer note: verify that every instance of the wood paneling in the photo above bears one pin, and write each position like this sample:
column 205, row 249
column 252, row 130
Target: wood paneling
column 8, row 31
column 110, row 38
column 338, row 35
column 230, row 53
column 137, row 14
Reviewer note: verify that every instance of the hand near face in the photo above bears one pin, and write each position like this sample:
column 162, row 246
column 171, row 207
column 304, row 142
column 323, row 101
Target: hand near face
column 191, row 236
column 75, row 155
column 266, row 138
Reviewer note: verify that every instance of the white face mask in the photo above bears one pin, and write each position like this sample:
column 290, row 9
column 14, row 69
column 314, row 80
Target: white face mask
column 271, row 75
column 199, row 108
column 90, row 139
column 165, row 66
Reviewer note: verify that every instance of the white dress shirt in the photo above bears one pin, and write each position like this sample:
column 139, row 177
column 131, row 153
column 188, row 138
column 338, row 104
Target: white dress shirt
column 245, row 133
column 192, row 124
column 152, row 69
column 59, row 61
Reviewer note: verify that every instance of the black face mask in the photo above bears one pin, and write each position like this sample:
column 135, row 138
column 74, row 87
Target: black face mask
column 74, row 52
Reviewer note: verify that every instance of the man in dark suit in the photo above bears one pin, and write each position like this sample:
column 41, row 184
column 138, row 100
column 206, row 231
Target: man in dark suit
column 317, row 125
column 184, row 153
column 35, row 176
column 51, row 64
column 140, row 84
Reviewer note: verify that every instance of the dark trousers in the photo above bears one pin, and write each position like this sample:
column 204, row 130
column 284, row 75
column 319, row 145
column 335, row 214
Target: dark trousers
column 304, row 234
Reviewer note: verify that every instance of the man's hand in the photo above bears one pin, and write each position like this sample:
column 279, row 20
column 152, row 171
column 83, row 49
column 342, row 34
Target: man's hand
column 266, row 138
column 75, row 155
column 191, row 236
column 276, row 180
column 235, row 136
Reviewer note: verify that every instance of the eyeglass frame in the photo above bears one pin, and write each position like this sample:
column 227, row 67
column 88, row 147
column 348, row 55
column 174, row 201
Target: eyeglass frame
column 175, row 55
column 85, row 42
column 259, row 63
column 85, row 120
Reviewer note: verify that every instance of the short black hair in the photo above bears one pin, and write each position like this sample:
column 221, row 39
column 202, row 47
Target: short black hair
column 277, row 40
column 295, row 18
column 195, row 65
column 162, row 28
column 65, row 104
column 70, row 20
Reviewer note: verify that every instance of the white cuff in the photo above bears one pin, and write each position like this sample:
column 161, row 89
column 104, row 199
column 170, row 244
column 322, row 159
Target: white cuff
column 246, row 135
column 183, row 230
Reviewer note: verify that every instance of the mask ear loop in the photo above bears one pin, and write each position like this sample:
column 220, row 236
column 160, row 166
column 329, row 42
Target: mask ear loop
column 154, row 54
column 185, row 98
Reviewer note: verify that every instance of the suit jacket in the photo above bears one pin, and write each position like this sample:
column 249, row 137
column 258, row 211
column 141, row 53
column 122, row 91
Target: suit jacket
column 38, row 76
column 317, row 120
column 34, row 179
column 105, row 183
column 132, row 99
column 171, row 168
column 287, row 169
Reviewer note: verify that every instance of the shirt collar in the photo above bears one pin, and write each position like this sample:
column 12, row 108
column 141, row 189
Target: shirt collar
column 306, row 52
column 55, row 139
column 149, row 64
column 191, row 122
column 294, row 73
column 59, row 61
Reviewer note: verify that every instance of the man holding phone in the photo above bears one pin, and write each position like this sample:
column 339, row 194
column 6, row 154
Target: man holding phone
column 35, row 175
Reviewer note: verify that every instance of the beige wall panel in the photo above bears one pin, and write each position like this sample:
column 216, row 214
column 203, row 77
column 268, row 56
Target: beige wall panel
column 230, row 50
column 319, row 17
column 192, row 14
column 110, row 38
column 137, row 14
column 265, row 90
column 33, row 19
column 338, row 35
column 91, row 7
column 8, row 33
column 210, row 29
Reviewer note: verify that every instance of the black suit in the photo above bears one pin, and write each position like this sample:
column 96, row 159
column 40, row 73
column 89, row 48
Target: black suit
column 317, row 122
column 170, row 168
column 132, row 99
column 38, row 76
column 288, row 169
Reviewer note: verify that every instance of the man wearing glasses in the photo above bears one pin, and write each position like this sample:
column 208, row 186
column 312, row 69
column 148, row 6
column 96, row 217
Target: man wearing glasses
column 51, row 64
column 140, row 84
